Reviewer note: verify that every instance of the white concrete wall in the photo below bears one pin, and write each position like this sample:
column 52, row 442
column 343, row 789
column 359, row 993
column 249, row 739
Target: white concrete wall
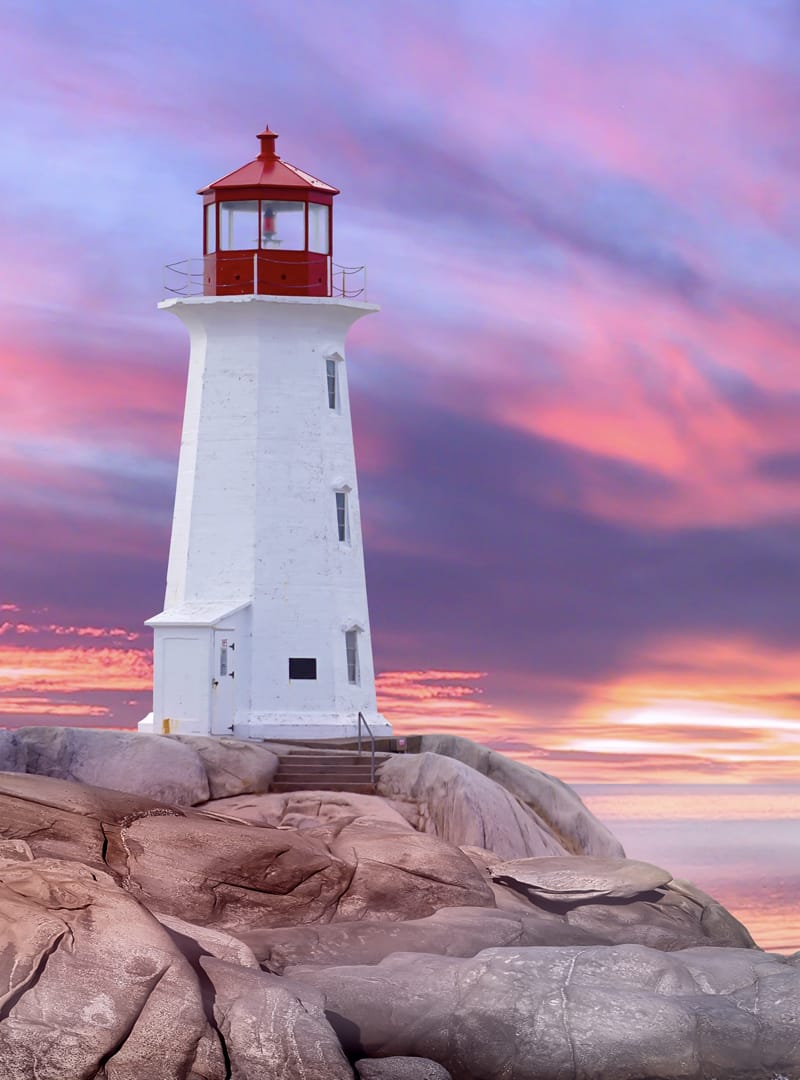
column 262, row 455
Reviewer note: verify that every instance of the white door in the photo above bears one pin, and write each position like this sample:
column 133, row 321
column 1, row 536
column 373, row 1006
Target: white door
column 223, row 683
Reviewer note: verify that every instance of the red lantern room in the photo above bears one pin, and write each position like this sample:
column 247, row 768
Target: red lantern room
column 268, row 228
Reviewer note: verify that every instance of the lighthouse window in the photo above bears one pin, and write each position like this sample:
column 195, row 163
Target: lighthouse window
column 302, row 667
column 342, row 517
column 211, row 228
column 238, row 226
column 318, row 228
column 283, row 225
column 333, row 394
column 351, row 647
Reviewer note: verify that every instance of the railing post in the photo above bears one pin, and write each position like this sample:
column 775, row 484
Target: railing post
column 363, row 720
column 255, row 273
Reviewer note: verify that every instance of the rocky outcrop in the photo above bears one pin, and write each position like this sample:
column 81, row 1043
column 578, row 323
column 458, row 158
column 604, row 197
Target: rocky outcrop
column 454, row 801
column 574, row 879
column 78, row 995
column 194, row 941
column 551, row 800
column 272, row 1031
column 457, row 931
column 147, row 765
column 546, row 1014
column 443, row 928
column 232, row 766
column 400, row 1068
column 12, row 752
column 223, row 874
column 307, row 809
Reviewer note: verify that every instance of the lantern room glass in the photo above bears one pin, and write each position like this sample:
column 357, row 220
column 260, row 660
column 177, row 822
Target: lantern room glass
column 238, row 226
column 318, row 228
column 283, row 225
column 267, row 224
column 211, row 228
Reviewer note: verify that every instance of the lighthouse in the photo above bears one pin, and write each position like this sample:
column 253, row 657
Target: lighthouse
column 265, row 629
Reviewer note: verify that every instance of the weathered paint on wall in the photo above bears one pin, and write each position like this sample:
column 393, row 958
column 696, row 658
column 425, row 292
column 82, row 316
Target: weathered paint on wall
column 255, row 545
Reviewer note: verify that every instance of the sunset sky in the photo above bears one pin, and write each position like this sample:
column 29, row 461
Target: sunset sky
column 577, row 415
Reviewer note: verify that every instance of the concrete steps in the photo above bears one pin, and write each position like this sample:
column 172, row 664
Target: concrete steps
column 308, row 770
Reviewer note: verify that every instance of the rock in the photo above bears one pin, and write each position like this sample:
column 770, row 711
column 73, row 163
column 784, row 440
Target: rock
column 195, row 941
column 269, row 1031
column 15, row 851
column 217, row 873
column 716, row 921
column 306, row 810
column 64, row 820
column 455, row 931
column 230, row 876
column 586, row 893
column 233, row 766
column 576, row 878
column 82, row 999
column 403, row 875
column 667, row 921
column 545, row 1013
column 12, row 752
column 456, row 803
column 150, row 765
column 552, row 802
column 400, row 1068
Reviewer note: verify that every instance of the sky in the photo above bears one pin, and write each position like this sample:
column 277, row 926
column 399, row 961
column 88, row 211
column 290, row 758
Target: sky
column 577, row 416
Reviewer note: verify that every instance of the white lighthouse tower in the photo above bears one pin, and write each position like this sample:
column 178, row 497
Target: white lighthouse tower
column 265, row 629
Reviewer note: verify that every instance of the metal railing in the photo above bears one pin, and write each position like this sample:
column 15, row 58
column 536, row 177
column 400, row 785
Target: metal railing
column 363, row 720
column 186, row 277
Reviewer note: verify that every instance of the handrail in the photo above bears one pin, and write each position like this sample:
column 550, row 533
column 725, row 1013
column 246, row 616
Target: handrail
column 363, row 720
column 185, row 277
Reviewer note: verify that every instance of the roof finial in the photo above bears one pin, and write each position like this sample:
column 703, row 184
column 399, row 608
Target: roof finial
column 267, row 138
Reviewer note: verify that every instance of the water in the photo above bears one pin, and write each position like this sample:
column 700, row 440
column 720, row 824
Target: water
column 738, row 842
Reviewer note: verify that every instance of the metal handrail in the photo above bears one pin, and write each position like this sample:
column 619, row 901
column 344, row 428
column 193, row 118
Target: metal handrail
column 363, row 720
column 186, row 277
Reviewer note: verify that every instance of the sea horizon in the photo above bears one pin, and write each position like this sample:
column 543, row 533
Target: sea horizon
column 738, row 842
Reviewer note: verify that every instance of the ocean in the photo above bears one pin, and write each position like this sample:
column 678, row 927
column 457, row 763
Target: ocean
column 738, row 842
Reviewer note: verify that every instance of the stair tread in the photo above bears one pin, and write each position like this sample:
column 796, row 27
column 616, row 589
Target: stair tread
column 329, row 759
column 355, row 766
column 356, row 789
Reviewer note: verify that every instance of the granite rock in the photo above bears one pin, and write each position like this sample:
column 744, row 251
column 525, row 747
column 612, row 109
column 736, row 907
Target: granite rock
column 149, row 765
column 617, row 1013
column 458, row 804
column 91, row 985
column 271, row 1031
column 549, row 799
column 400, row 1068
column 233, row 766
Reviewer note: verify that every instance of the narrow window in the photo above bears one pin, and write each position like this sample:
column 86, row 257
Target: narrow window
column 330, row 367
column 351, row 645
column 302, row 668
column 342, row 517
column 211, row 228
column 318, row 228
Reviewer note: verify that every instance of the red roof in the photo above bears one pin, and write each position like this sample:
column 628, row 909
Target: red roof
column 267, row 170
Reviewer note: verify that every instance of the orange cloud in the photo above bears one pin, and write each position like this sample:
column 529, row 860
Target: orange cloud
column 43, row 706
column 70, row 631
column 74, row 670
column 729, row 713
